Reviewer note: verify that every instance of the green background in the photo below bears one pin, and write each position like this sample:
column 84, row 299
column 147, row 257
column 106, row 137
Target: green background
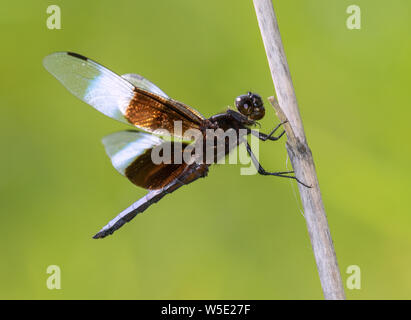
column 227, row 236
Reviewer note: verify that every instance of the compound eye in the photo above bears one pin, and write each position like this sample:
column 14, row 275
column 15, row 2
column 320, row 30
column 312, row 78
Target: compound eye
column 258, row 113
column 244, row 104
column 257, row 101
column 245, row 108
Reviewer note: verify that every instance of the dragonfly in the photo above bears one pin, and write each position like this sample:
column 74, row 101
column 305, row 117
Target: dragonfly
column 134, row 100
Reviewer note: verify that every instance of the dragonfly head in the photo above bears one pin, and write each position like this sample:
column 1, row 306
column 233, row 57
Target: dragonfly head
column 251, row 105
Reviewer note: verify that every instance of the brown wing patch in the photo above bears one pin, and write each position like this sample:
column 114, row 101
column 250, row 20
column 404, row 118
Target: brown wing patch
column 191, row 110
column 152, row 113
column 144, row 173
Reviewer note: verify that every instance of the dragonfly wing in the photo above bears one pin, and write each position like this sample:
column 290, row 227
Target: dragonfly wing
column 131, row 153
column 91, row 82
column 144, row 106
column 142, row 83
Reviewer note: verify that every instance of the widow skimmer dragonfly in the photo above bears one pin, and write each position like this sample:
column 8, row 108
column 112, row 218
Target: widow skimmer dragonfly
column 134, row 100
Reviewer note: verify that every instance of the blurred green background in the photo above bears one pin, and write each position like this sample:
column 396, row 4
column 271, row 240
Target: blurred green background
column 227, row 236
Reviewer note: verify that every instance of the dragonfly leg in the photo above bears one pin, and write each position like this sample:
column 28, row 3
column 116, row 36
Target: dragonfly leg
column 265, row 137
column 261, row 170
